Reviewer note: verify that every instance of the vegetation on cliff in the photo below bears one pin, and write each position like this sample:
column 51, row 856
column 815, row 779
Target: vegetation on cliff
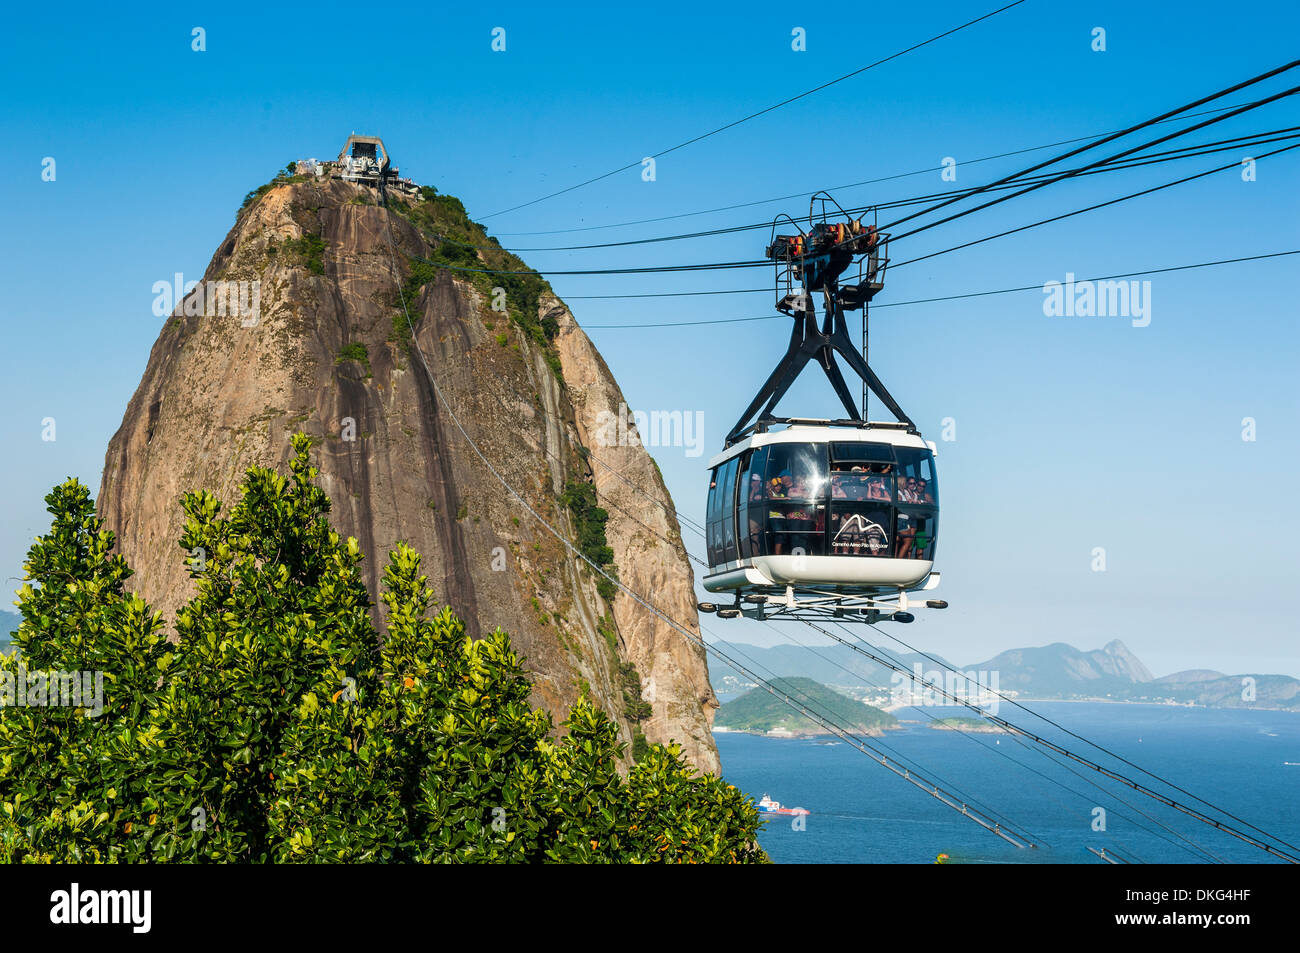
column 285, row 176
column 464, row 247
column 589, row 521
column 310, row 247
column 279, row 729
column 761, row 711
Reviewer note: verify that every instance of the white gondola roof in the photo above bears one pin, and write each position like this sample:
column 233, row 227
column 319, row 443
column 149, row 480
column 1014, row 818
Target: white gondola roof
column 824, row 433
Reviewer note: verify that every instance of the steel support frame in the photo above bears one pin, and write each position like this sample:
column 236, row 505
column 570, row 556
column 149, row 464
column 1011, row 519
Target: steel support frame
column 821, row 606
column 809, row 342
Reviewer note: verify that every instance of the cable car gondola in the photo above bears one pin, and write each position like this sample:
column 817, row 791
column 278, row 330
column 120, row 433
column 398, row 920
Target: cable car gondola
column 817, row 518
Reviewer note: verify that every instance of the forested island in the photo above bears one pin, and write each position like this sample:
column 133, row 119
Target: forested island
column 761, row 712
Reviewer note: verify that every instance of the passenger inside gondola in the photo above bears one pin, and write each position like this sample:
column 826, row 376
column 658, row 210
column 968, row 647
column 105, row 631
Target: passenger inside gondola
column 906, row 540
column 804, row 528
column 915, row 536
column 878, row 481
column 848, row 484
column 778, row 488
column 755, row 518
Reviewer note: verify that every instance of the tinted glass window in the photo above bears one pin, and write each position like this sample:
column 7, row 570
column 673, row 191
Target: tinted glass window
column 751, row 476
column 750, row 502
column 841, row 499
column 917, row 529
column 861, row 529
column 796, row 471
column 795, row 529
column 712, row 525
column 727, row 508
column 864, row 488
column 862, row 452
column 858, row 483
column 783, row 512
column 916, row 478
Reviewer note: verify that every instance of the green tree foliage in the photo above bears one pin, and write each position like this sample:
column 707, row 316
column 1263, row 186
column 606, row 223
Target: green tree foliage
column 278, row 729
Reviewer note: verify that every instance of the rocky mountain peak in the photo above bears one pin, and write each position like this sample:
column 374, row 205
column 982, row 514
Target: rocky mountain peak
column 324, row 347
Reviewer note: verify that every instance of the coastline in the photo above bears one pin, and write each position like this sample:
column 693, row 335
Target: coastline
column 1111, row 701
column 907, row 724
column 779, row 733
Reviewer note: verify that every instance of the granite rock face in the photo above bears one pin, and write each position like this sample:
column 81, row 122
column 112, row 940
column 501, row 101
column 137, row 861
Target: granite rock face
column 329, row 354
column 648, row 550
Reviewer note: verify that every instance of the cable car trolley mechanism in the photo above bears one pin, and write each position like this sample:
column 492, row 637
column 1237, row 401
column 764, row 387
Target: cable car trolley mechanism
column 816, row 518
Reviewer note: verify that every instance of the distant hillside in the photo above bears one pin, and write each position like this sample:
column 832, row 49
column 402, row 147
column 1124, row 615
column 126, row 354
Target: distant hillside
column 1056, row 671
column 1060, row 670
column 836, row 665
column 1216, row 690
column 762, row 712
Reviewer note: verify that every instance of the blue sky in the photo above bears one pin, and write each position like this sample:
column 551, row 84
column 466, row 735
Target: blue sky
column 1072, row 433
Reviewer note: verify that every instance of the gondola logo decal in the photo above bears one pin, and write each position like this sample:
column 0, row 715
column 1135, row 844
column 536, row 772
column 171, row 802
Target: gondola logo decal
column 858, row 534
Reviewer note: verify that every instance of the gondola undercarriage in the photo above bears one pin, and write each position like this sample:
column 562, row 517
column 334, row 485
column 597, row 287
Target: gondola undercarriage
column 776, row 603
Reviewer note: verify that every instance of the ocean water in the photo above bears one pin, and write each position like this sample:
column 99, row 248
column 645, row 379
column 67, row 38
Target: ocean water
column 862, row 813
